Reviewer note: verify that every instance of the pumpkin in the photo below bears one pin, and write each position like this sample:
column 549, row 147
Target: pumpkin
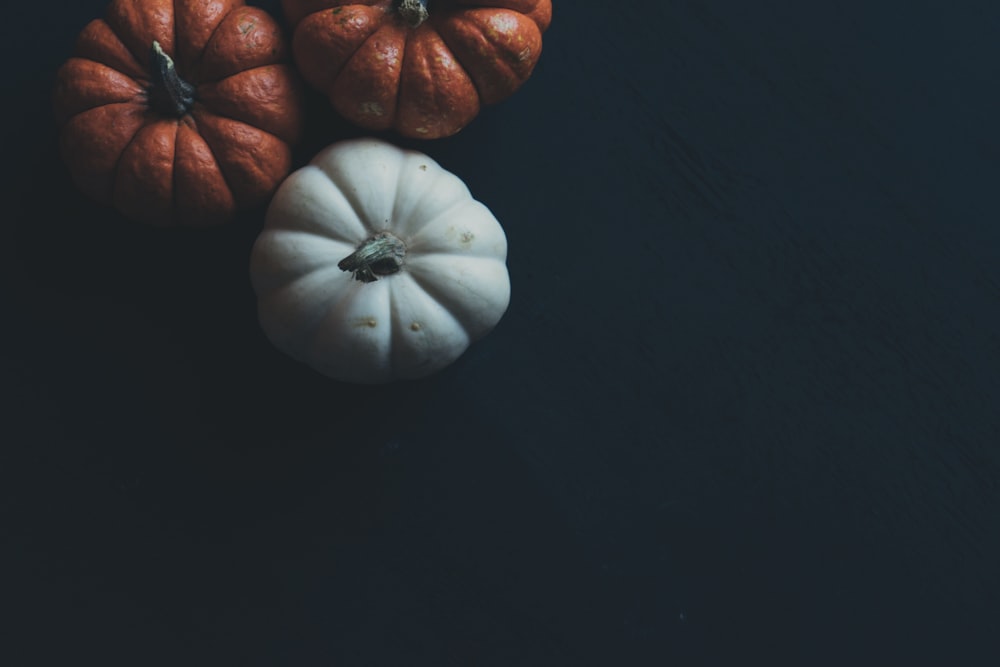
column 377, row 264
column 179, row 111
column 423, row 68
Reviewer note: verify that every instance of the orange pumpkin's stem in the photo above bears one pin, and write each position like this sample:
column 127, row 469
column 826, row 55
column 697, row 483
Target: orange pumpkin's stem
column 169, row 94
column 414, row 12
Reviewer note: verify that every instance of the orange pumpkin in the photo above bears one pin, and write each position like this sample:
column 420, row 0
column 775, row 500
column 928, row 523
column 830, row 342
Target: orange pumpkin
column 179, row 112
column 421, row 67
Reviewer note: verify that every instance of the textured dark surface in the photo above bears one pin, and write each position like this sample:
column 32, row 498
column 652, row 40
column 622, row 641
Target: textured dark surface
column 742, row 409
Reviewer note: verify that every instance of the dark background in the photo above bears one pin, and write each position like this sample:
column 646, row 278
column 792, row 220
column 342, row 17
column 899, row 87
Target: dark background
column 742, row 408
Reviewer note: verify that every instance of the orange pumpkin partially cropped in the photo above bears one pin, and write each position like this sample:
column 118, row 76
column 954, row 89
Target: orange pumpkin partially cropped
column 423, row 68
column 179, row 112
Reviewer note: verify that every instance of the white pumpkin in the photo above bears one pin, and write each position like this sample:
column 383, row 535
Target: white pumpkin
column 376, row 264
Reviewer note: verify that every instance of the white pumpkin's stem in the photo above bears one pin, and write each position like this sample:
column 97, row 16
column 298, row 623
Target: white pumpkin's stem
column 170, row 94
column 381, row 255
column 414, row 12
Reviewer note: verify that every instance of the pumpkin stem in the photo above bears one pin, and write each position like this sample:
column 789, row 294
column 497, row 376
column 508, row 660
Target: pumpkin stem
column 170, row 94
column 381, row 255
column 414, row 12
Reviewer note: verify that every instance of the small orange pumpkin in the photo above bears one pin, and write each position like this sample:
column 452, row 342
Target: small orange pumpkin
column 179, row 112
column 423, row 68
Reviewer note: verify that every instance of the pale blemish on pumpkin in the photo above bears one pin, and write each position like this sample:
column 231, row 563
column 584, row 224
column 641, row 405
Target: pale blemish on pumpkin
column 371, row 109
column 465, row 237
column 348, row 19
column 390, row 56
column 415, row 326
column 443, row 60
column 524, row 55
column 503, row 24
column 369, row 322
column 247, row 26
column 422, row 130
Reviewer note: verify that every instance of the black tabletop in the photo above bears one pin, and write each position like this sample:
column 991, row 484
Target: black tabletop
column 742, row 408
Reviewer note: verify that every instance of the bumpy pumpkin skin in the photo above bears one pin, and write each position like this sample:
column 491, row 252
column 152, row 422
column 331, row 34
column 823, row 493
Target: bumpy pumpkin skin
column 228, row 151
column 426, row 81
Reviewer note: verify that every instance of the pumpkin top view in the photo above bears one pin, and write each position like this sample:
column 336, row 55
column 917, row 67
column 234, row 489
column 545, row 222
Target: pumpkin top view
column 376, row 264
column 179, row 112
column 423, row 68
